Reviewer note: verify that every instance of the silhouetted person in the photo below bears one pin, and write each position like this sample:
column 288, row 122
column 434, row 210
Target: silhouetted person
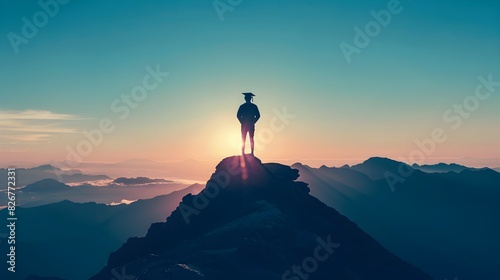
column 248, row 114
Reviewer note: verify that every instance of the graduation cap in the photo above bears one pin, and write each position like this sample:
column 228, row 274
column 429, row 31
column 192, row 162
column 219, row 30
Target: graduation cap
column 248, row 94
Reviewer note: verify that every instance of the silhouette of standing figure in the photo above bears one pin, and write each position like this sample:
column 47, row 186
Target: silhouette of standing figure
column 248, row 114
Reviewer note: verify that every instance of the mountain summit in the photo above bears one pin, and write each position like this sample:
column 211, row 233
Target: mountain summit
column 254, row 221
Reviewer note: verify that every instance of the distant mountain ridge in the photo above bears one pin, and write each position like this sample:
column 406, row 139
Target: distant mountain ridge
column 444, row 222
column 443, row 168
column 46, row 186
column 84, row 233
column 26, row 176
column 48, row 191
column 376, row 167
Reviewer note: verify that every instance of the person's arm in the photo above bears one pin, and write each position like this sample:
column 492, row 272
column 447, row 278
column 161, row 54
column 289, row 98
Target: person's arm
column 239, row 114
column 257, row 113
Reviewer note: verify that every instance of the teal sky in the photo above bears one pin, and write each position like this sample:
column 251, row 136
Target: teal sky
column 396, row 90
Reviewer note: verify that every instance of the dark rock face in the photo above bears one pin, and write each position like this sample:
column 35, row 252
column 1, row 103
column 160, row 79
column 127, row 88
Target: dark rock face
column 254, row 221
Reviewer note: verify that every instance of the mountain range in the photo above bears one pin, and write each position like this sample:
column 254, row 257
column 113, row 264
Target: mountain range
column 121, row 189
column 441, row 218
column 72, row 240
column 443, row 168
column 444, row 222
column 254, row 221
column 26, row 176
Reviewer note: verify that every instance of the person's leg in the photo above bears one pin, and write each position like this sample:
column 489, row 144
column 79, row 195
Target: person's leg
column 243, row 138
column 251, row 133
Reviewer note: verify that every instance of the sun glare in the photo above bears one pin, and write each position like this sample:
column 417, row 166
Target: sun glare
column 226, row 142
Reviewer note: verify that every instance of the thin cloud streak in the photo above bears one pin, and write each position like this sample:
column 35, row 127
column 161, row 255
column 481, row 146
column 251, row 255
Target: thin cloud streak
column 45, row 129
column 26, row 138
column 36, row 115
column 29, row 126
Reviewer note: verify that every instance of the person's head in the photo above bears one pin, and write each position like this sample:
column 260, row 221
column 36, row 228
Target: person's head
column 248, row 96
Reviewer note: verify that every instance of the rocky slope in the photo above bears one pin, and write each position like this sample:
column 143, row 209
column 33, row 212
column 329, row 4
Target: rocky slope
column 254, row 221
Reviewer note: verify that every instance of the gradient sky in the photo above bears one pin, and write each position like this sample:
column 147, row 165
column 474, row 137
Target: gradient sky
column 395, row 91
